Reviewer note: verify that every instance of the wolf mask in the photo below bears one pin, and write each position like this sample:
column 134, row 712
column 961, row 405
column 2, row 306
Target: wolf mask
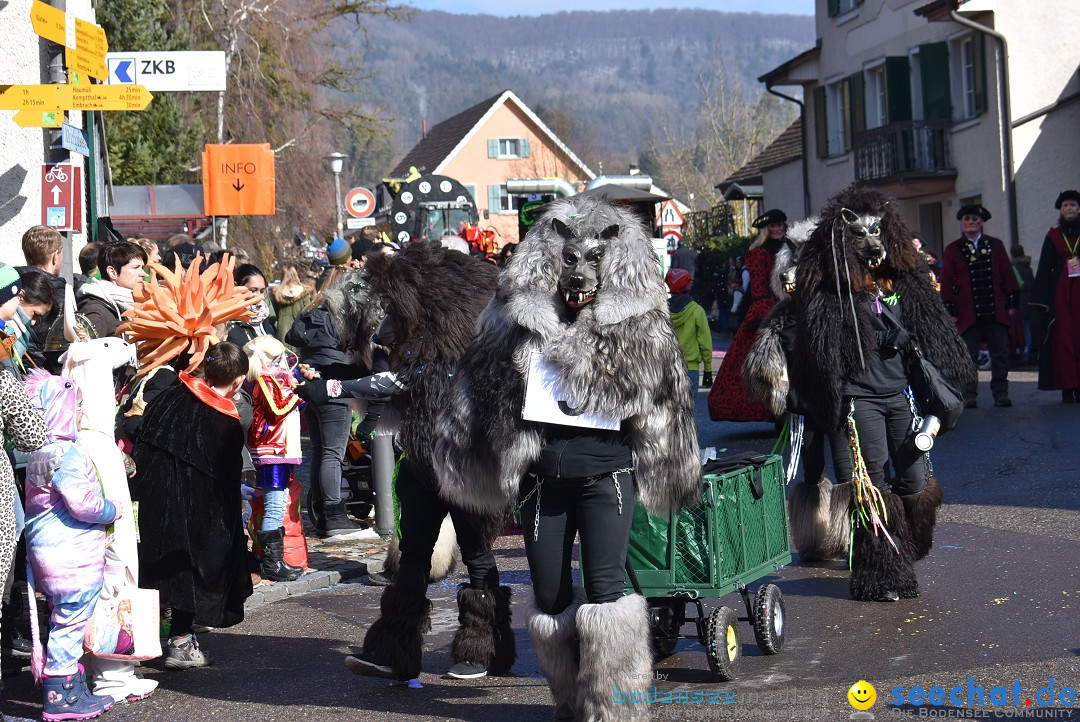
column 585, row 288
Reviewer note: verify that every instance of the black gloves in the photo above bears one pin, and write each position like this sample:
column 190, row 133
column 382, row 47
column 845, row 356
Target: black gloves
column 314, row 391
column 366, row 429
column 706, row 379
column 894, row 338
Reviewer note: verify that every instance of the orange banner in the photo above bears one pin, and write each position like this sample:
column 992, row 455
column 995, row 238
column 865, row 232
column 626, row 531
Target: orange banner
column 238, row 180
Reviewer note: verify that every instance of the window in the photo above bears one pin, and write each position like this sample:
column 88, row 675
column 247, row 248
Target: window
column 507, row 148
column 838, row 115
column 967, row 76
column 839, row 7
column 965, row 65
column 499, row 201
column 876, row 113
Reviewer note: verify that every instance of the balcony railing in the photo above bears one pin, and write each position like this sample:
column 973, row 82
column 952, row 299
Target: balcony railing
column 910, row 148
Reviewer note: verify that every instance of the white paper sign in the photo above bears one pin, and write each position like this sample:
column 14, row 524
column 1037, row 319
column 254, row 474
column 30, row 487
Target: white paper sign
column 546, row 402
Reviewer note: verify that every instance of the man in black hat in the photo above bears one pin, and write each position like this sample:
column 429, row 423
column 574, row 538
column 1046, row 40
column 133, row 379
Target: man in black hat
column 979, row 290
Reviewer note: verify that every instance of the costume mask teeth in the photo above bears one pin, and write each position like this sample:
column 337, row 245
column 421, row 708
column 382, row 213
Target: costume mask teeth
column 577, row 299
column 876, row 261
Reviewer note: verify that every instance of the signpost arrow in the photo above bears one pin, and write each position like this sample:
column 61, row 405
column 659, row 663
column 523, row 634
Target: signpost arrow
column 87, row 63
column 238, row 185
column 56, row 195
column 74, row 97
column 122, row 71
column 49, row 22
column 38, row 119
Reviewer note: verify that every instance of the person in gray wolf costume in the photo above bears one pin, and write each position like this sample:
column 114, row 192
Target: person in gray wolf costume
column 432, row 298
column 817, row 508
column 857, row 272
column 585, row 289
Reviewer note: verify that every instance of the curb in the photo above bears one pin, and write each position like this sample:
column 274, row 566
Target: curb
column 313, row 581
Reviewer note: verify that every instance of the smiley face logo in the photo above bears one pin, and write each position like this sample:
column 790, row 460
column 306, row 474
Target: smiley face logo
column 862, row 695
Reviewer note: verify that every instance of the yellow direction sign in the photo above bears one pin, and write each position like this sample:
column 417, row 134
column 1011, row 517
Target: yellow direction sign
column 74, row 97
column 49, row 22
column 86, row 63
column 39, row 119
column 90, row 39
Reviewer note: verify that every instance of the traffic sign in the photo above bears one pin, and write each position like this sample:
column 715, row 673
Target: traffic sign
column 74, row 97
column 238, row 180
column 90, row 39
column 670, row 215
column 360, row 202
column 354, row 223
column 87, row 63
column 39, row 118
column 49, row 22
column 172, row 71
column 672, row 237
column 62, row 197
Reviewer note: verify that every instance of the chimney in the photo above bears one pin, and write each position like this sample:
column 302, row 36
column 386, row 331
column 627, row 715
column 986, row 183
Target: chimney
column 633, row 169
column 423, row 128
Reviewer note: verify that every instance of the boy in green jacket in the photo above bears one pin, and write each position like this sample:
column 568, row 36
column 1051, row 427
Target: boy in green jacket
column 691, row 326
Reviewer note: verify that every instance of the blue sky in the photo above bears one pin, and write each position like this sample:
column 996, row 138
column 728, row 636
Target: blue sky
column 538, row 7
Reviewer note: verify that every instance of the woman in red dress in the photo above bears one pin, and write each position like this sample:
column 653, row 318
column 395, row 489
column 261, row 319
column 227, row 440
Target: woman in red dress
column 1057, row 295
column 728, row 398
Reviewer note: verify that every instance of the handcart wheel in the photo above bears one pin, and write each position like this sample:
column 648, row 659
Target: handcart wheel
column 769, row 619
column 667, row 619
column 722, row 647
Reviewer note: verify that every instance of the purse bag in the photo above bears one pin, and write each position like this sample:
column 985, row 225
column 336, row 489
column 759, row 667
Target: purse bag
column 934, row 394
column 125, row 626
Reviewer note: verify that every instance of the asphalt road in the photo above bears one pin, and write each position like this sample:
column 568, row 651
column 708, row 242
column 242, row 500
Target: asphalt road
column 1000, row 603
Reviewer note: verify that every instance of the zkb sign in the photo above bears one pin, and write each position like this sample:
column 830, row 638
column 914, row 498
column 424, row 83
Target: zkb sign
column 177, row 71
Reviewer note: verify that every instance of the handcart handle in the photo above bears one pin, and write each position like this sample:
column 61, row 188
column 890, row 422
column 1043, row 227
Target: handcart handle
column 633, row 578
column 757, row 488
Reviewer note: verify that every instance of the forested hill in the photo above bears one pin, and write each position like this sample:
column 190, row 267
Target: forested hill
column 602, row 80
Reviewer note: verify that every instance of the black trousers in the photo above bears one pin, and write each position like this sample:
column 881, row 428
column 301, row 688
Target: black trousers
column 328, row 426
column 884, row 426
column 813, row 452
column 586, row 507
column 996, row 336
column 422, row 512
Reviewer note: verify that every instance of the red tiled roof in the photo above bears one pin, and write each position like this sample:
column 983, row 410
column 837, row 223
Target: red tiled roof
column 443, row 138
column 785, row 148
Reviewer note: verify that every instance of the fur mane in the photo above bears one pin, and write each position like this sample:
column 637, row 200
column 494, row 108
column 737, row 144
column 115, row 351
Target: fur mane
column 355, row 312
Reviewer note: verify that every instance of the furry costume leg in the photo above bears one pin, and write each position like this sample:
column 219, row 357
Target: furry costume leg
column 554, row 641
column 819, row 518
column 876, row 568
column 474, row 640
column 615, row 653
column 505, row 642
column 397, row 636
column 444, row 558
column 921, row 509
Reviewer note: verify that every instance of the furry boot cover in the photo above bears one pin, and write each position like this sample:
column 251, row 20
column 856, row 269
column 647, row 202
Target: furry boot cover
column 554, row 639
column 819, row 519
column 616, row 660
column 921, row 509
column 444, row 558
column 397, row 636
column 876, row 568
column 474, row 640
column 505, row 642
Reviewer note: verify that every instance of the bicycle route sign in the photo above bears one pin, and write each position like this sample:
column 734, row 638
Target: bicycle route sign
column 62, row 197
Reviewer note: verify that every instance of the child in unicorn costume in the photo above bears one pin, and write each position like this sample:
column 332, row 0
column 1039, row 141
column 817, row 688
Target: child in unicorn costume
column 91, row 363
column 65, row 545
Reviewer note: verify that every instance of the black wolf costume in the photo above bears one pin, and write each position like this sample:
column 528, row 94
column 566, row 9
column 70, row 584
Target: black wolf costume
column 433, row 297
column 857, row 271
column 817, row 508
column 585, row 289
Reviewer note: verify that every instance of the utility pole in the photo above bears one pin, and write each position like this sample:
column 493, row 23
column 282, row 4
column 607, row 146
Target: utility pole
column 54, row 148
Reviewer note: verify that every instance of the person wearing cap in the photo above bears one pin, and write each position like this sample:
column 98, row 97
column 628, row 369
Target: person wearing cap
column 979, row 289
column 1056, row 296
column 691, row 326
column 338, row 252
column 729, row 399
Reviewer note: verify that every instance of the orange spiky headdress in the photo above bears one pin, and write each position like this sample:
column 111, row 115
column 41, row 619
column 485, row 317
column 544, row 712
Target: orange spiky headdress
column 179, row 313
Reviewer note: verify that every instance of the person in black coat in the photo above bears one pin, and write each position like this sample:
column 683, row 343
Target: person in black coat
column 252, row 278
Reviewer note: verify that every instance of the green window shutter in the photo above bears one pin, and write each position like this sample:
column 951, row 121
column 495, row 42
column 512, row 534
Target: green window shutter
column 856, row 97
column 494, row 198
column 897, row 89
column 820, row 129
column 524, row 147
column 978, row 41
column 834, row 8
column 493, row 147
column 934, row 72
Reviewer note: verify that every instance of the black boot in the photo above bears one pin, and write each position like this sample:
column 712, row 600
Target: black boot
column 879, row 572
column 274, row 567
column 337, row 526
column 921, row 510
column 393, row 645
column 473, row 646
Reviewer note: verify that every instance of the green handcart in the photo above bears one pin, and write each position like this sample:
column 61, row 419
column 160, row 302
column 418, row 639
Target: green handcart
column 736, row 535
